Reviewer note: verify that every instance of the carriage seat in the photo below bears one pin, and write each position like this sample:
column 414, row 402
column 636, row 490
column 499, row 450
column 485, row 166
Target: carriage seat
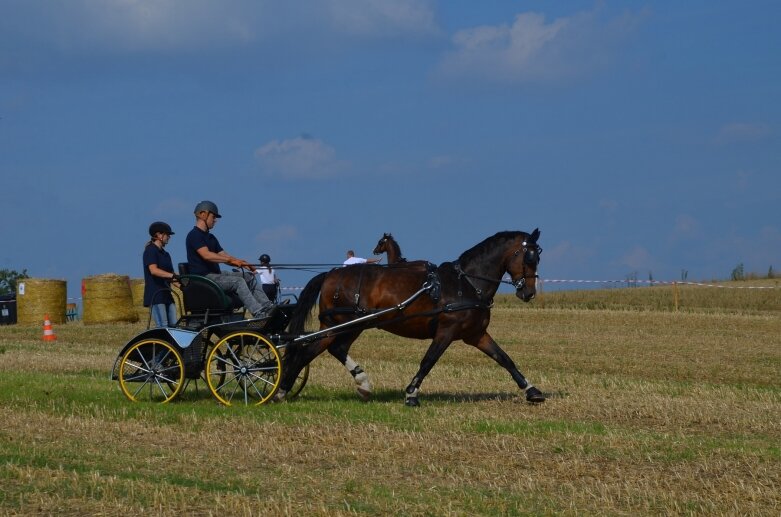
column 201, row 296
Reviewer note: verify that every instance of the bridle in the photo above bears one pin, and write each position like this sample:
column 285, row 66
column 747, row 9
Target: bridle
column 531, row 257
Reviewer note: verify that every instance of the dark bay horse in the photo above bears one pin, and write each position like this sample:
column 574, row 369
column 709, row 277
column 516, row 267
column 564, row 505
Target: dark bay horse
column 455, row 304
column 387, row 244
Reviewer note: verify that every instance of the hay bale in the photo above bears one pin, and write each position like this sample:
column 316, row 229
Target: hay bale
column 37, row 297
column 137, row 293
column 107, row 299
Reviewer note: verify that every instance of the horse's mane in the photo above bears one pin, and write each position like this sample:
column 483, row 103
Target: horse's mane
column 487, row 245
column 396, row 248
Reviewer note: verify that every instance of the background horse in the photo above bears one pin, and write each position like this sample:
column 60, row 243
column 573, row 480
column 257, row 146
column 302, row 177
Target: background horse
column 387, row 244
column 456, row 305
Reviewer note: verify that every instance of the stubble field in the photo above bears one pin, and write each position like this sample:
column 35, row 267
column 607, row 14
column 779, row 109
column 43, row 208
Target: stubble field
column 651, row 411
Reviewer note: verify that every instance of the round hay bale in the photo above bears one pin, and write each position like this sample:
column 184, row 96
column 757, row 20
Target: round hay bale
column 107, row 299
column 37, row 297
column 137, row 293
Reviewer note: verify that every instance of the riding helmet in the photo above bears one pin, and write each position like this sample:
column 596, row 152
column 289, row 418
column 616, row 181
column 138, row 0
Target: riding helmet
column 264, row 259
column 207, row 206
column 159, row 227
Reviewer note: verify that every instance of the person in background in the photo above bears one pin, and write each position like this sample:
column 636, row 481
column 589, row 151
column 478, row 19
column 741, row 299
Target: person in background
column 204, row 256
column 267, row 278
column 158, row 275
column 352, row 259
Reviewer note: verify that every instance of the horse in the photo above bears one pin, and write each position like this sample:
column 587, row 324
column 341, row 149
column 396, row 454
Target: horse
column 418, row 300
column 387, row 244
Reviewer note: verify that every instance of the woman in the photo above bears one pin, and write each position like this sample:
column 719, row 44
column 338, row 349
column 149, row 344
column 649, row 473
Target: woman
column 158, row 273
column 268, row 278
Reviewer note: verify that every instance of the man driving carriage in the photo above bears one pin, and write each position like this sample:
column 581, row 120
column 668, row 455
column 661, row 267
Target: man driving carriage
column 204, row 256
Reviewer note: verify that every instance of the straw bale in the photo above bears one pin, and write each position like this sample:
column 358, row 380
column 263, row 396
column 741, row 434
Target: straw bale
column 137, row 293
column 107, row 299
column 37, row 297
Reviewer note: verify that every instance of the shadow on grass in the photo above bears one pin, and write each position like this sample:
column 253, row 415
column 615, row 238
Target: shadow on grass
column 384, row 396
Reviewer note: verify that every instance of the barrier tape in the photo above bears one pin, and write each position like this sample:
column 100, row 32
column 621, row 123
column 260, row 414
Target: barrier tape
column 628, row 282
column 656, row 282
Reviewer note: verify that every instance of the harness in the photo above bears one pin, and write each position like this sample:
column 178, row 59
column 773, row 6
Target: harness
column 530, row 255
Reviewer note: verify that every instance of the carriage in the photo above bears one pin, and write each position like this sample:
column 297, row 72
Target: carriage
column 240, row 360
column 252, row 361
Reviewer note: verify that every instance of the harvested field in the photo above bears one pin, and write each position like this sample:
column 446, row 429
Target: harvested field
column 651, row 411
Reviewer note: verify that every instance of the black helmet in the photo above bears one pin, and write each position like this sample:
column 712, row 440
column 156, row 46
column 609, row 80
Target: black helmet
column 159, row 227
column 264, row 259
column 207, row 206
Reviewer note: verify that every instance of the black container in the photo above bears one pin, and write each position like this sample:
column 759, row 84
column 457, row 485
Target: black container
column 7, row 309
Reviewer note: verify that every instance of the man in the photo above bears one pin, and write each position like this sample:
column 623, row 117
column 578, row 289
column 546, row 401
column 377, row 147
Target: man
column 352, row 259
column 204, row 256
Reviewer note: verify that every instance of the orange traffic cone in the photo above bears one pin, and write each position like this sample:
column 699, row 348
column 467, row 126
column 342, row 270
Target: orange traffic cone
column 48, row 331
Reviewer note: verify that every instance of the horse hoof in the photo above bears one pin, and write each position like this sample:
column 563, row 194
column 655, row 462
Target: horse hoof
column 534, row 396
column 411, row 402
column 365, row 395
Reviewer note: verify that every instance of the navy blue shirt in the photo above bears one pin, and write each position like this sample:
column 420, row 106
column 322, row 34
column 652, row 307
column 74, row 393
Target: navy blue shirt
column 196, row 240
column 152, row 284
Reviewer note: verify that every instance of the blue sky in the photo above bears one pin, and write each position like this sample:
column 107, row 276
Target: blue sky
column 640, row 137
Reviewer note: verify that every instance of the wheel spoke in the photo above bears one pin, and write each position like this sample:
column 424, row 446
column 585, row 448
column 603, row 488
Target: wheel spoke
column 154, row 366
column 243, row 362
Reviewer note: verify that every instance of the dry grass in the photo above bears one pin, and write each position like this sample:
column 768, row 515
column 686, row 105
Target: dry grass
column 651, row 412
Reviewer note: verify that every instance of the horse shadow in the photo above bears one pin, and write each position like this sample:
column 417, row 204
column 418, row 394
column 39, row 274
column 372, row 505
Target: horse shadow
column 388, row 396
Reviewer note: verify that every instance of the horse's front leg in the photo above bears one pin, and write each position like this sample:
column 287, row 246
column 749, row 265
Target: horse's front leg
column 491, row 348
column 339, row 349
column 434, row 352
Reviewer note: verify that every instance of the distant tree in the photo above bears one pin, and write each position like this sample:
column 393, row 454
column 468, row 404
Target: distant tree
column 737, row 273
column 9, row 278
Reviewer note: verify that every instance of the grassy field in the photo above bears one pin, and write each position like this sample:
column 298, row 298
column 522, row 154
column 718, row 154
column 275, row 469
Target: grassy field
column 651, row 411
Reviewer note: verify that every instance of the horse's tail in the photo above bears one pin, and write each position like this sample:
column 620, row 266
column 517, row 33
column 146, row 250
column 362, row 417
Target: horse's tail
column 306, row 301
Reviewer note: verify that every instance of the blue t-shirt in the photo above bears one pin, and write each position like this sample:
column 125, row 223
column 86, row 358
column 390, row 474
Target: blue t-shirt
column 152, row 284
column 196, row 240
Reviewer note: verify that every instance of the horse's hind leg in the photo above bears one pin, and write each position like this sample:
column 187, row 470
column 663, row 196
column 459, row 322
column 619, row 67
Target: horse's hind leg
column 339, row 349
column 491, row 348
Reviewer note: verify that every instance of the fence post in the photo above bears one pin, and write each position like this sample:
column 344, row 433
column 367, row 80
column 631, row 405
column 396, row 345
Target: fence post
column 676, row 296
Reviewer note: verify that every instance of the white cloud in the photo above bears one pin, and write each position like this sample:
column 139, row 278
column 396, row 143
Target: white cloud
column 441, row 161
column 742, row 132
column 638, row 258
column 565, row 252
column 276, row 236
column 609, row 206
column 685, row 226
column 299, row 158
column 115, row 26
column 532, row 49
column 377, row 18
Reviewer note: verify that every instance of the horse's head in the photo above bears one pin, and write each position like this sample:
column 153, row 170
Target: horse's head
column 383, row 245
column 522, row 266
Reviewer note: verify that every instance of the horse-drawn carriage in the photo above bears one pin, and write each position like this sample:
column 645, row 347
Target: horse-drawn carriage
column 240, row 360
column 251, row 361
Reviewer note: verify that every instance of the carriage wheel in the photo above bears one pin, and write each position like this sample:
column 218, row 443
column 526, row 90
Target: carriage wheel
column 151, row 370
column 243, row 368
column 299, row 383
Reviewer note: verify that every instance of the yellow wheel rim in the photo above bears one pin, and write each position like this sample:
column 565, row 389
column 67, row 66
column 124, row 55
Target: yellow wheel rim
column 243, row 368
column 151, row 370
